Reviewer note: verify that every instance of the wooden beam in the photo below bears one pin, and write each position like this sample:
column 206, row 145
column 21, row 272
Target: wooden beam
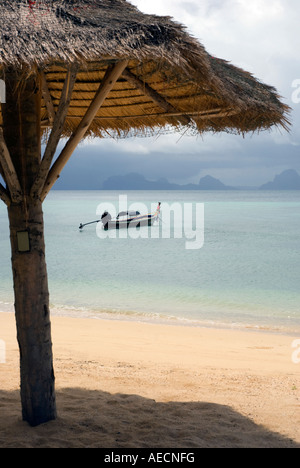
column 55, row 135
column 1, row 171
column 4, row 195
column 47, row 98
column 9, row 172
column 112, row 75
column 155, row 96
column 45, row 124
column 214, row 113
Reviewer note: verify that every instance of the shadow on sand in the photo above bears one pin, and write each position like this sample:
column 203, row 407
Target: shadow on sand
column 98, row 419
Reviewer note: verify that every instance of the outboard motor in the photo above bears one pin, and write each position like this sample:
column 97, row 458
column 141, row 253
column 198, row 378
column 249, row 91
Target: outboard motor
column 105, row 219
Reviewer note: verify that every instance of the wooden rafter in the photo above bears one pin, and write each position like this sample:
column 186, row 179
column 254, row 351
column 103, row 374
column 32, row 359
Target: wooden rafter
column 9, row 172
column 55, row 135
column 112, row 75
column 212, row 114
column 196, row 115
column 155, row 96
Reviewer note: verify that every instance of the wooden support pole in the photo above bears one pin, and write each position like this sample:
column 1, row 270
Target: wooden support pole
column 9, row 172
column 55, row 135
column 155, row 96
column 1, row 172
column 112, row 75
column 4, row 195
column 47, row 98
column 21, row 127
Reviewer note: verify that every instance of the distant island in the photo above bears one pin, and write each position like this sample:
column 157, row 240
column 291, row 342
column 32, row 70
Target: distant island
column 135, row 181
column 287, row 180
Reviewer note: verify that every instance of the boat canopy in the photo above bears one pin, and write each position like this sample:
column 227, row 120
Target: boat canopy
column 128, row 213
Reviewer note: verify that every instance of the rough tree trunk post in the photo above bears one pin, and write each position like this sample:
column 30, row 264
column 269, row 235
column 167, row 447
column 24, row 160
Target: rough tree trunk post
column 21, row 129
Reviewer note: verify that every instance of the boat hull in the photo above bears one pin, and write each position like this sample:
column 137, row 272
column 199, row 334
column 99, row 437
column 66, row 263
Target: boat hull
column 140, row 221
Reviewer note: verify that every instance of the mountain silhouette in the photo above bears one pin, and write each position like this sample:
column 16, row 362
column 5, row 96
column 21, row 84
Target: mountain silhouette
column 134, row 181
column 287, row 180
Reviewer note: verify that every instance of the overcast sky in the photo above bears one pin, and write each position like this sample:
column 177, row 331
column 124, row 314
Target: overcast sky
column 261, row 36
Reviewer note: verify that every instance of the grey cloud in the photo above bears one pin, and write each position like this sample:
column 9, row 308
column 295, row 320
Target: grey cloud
column 266, row 46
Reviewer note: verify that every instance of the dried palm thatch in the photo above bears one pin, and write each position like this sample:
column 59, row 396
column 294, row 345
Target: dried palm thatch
column 169, row 80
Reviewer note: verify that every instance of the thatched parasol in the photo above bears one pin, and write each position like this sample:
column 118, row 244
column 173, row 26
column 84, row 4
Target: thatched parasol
column 95, row 68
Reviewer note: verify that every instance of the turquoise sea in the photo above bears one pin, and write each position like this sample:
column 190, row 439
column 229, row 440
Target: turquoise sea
column 247, row 274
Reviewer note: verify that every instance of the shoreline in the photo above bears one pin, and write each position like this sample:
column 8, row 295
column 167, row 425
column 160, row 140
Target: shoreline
column 133, row 384
column 161, row 319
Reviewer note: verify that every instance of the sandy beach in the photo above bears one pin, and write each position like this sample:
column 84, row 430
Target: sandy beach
column 129, row 384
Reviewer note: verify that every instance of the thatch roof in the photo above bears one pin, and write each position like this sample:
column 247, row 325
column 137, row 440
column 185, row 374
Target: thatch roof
column 170, row 80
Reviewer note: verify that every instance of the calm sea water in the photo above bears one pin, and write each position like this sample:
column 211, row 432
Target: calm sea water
column 247, row 274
